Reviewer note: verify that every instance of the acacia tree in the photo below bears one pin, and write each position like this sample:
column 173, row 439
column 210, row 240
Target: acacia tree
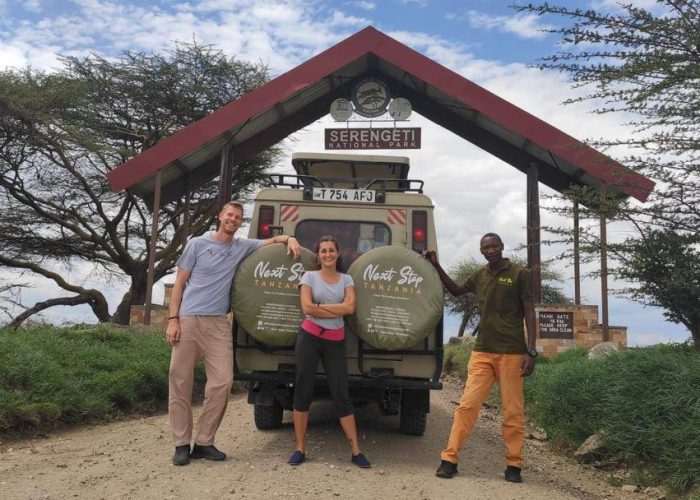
column 645, row 63
column 660, row 261
column 61, row 132
column 465, row 305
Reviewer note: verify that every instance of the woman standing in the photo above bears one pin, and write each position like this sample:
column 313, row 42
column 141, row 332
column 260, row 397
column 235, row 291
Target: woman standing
column 326, row 296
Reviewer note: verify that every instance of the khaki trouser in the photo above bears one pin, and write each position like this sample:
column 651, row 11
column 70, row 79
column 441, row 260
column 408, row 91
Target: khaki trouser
column 485, row 369
column 205, row 338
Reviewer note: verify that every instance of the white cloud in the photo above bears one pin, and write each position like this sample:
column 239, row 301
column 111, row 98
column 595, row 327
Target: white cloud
column 648, row 338
column 32, row 5
column 341, row 19
column 12, row 56
column 281, row 33
column 364, row 5
column 453, row 55
column 523, row 25
column 18, row 54
column 614, row 5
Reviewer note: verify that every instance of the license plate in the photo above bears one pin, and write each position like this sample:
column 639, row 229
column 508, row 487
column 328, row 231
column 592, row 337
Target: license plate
column 344, row 195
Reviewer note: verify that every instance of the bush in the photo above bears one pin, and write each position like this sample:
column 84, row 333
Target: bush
column 644, row 402
column 456, row 359
column 56, row 376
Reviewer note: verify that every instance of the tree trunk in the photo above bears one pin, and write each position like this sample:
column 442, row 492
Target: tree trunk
column 135, row 296
column 695, row 332
column 100, row 307
column 463, row 325
column 94, row 299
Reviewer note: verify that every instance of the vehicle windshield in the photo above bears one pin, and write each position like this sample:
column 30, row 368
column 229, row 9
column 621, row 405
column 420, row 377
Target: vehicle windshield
column 354, row 238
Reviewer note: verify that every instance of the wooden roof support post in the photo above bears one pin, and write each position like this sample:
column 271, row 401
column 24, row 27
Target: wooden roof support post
column 152, row 248
column 225, row 177
column 186, row 213
column 534, row 260
column 604, row 262
column 577, row 257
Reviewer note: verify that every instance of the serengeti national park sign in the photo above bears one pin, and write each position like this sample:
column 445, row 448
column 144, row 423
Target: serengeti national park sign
column 373, row 138
column 371, row 99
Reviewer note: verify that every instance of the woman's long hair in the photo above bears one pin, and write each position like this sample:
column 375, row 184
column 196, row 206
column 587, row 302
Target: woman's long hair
column 317, row 262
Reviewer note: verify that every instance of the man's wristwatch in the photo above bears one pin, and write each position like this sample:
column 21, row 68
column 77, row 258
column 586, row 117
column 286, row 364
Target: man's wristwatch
column 532, row 353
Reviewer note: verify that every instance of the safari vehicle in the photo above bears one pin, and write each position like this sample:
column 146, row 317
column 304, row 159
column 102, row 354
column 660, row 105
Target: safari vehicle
column 366, row 202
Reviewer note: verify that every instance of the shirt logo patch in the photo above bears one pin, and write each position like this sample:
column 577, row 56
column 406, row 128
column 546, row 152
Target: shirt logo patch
column 220, row 253
column 505, row 280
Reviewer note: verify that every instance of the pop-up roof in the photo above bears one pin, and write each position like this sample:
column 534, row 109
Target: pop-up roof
column 295, row 99
column 352, row 171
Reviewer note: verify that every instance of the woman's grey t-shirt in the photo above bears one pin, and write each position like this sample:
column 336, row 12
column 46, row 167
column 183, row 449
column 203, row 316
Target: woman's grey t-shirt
column 324, row 293
column 212, row 265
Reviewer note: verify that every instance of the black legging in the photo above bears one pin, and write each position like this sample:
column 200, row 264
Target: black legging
column 309, row 349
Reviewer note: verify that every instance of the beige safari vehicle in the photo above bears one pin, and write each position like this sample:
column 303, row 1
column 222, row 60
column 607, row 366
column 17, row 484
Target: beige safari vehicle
column 365, row 202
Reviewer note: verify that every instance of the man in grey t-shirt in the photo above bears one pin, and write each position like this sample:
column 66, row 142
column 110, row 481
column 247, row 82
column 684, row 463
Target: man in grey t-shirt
column 198, row 330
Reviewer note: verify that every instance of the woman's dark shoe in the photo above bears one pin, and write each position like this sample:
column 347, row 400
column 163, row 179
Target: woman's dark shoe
column 447, row 470
column 182, row 455
column 297, row 458
column 361, row 461
column 209, row 452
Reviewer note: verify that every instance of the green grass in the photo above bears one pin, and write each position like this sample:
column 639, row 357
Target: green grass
column 456, row 359
column 644, row 402
column 51, row 377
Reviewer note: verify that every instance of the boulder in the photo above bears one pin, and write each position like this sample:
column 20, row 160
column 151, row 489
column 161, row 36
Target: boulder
column 590, row 450
column 602, row 349
column 538, row 435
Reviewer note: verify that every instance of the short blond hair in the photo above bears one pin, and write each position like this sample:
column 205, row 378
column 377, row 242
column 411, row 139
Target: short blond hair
column 236, row 204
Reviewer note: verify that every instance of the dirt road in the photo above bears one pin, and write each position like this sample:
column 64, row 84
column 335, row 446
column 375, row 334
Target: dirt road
column 131, row 459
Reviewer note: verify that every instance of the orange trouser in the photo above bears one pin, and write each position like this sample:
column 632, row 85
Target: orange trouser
column 205, row 338
column 485, row 369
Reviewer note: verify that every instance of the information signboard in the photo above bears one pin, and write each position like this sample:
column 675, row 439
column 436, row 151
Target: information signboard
column 556, row 325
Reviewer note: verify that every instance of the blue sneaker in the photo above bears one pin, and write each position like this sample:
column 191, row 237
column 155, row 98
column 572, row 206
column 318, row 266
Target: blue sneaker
column 361, row 461
column 297, row 458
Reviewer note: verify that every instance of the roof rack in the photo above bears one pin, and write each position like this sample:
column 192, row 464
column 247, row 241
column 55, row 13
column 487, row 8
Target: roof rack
column 296, row 181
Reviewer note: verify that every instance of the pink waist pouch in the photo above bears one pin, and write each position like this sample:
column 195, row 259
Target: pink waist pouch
column 323, row 333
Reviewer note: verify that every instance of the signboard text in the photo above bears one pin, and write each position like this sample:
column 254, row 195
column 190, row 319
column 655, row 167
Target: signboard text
column 556, row 325
column 373, row 138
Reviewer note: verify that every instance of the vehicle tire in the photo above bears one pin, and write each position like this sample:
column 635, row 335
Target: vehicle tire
column 413, row 423
column 265, row 294
column 399, row 298
column 268, row 417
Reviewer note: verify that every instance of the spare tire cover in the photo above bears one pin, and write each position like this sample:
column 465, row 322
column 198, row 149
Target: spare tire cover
column 399, row 298
column 265, row 294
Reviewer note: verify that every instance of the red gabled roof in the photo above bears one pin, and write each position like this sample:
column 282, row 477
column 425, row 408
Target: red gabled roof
column 303, row 94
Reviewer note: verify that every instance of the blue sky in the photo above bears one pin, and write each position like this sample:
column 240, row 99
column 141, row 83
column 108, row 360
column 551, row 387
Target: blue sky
column 483, row 40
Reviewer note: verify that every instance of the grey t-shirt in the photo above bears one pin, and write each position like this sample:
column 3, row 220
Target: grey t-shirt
column 212, row 265
column 323, row 293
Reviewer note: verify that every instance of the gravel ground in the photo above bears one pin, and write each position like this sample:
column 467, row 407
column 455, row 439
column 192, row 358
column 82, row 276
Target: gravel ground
column 132, row 459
